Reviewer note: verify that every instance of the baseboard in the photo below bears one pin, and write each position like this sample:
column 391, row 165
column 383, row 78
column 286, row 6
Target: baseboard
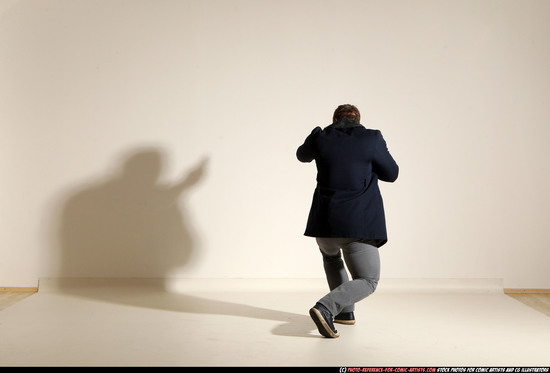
column 385, row 285
column 189, row 285
column 394, row 284
column 526, row 291
column 8, row 289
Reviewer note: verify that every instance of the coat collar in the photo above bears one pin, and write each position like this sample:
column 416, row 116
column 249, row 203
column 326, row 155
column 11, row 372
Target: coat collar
column 344, row 123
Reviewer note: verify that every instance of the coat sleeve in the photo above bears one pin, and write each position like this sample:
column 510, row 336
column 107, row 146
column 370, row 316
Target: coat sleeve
column 383, row 164
column 306, row 151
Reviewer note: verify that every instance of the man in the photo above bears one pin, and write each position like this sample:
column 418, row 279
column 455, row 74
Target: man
column 347, row 212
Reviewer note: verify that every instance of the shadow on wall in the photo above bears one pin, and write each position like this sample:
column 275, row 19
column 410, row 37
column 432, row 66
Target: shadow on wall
column 129, row 224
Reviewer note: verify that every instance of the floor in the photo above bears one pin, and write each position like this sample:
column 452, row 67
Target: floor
column 265, row 323
column 539, row 302
column 9, row 298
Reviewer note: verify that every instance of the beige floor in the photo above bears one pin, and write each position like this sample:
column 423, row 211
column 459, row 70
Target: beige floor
column 259, row 323
column 539, row 302
column 9, row 298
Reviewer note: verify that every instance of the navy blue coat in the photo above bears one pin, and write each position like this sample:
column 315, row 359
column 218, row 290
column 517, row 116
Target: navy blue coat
column 350, row 160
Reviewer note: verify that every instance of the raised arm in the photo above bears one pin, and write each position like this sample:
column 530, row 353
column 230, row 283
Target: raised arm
column 306, row 151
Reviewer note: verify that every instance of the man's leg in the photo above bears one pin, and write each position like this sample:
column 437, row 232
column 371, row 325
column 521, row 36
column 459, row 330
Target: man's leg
column 363, row 262
column 333, row 264
column 336, row 275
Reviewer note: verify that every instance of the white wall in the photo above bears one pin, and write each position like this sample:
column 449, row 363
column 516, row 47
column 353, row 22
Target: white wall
column 224, row 91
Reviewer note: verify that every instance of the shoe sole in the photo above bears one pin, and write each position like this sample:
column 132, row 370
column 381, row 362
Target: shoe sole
column 323, row 327
column 345, row 322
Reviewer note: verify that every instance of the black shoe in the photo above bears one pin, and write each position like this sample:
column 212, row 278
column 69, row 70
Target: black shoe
column 323, row 319
column 346, row 318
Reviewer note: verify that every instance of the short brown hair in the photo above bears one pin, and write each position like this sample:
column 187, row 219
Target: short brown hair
column 346, row 111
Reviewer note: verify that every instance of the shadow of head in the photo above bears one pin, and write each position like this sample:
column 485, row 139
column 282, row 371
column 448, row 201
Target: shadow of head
column 144, row 166
column 129, row 223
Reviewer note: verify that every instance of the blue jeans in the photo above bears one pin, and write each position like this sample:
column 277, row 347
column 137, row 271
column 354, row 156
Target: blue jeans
column 363, row 263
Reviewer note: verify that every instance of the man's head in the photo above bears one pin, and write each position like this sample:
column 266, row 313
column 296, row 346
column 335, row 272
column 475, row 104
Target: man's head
column 346, row 111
